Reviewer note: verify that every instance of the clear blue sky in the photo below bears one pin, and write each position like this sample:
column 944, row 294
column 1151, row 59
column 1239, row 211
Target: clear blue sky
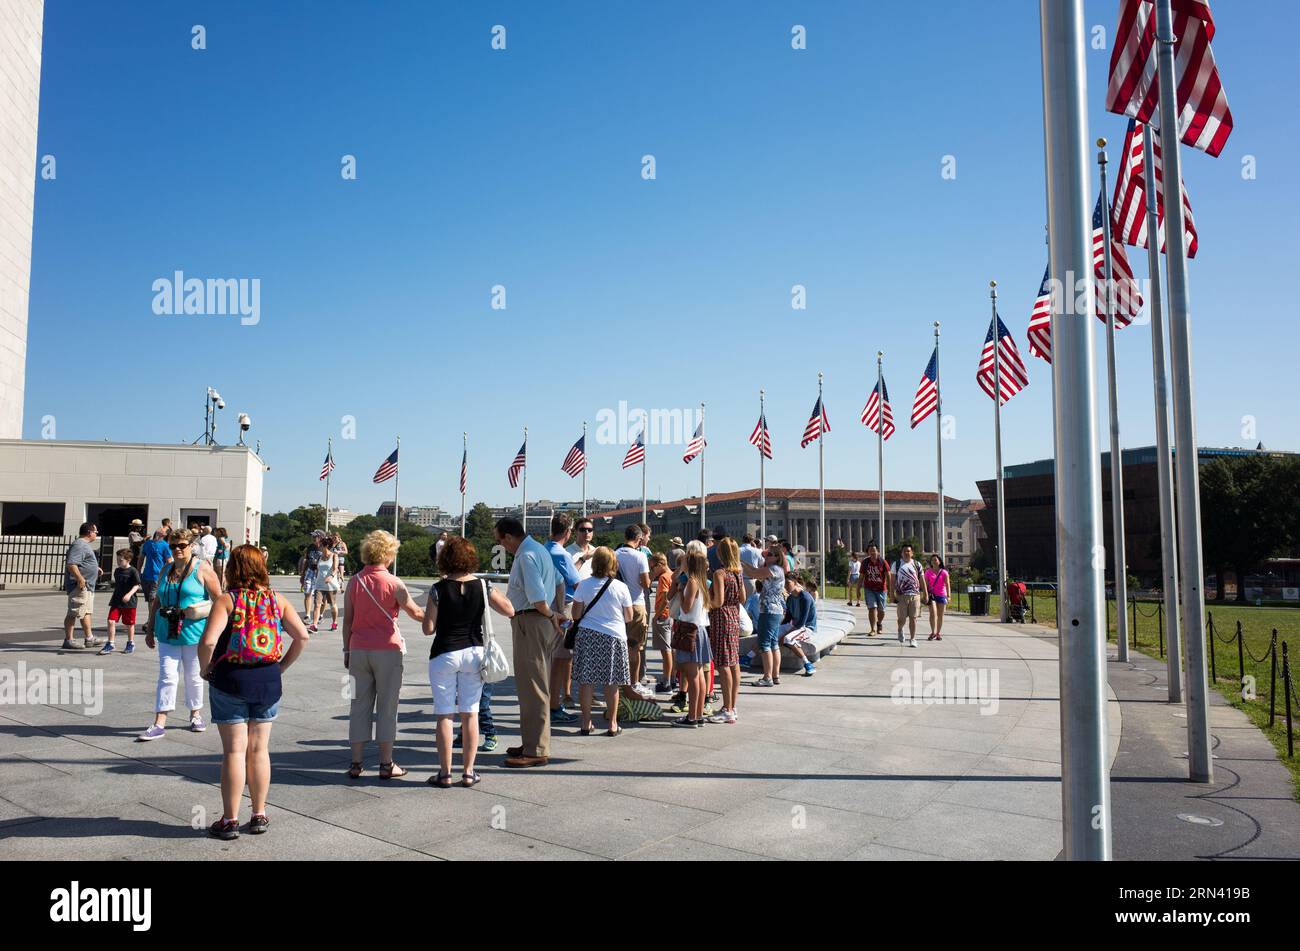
column 522, row 168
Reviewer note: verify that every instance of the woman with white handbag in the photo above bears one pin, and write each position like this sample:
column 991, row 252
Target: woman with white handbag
column 178, row 614
column 464, row 653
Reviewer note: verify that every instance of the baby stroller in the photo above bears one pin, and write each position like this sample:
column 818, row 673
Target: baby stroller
column 1016, row 601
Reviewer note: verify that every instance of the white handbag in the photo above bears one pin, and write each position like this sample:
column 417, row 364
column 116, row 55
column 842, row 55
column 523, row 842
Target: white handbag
column 495, row 666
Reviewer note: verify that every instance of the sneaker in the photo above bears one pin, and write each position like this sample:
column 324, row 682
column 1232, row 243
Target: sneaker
column 763, row 682
column 687, row 722
column 729, row 716
column 312, row 628
column 71, row 646
column 720, row 717
column 130, row 648
column 91, row 642
column 106, row 649
column 642, row 691
column 809, row 669
column 154, row 732
column 257, row 825
column 911, row 642
column 662, row 686
column 225, row 829
column 196, row 724
column 334, row 626
column 678, row 704
column 561, row 715
column 489, row 744
column 708, row 709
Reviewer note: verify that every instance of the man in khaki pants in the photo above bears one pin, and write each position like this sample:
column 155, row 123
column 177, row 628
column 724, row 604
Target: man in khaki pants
column 534, row 591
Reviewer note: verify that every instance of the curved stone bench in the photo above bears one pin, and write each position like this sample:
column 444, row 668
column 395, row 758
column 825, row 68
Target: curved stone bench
column 832, row 627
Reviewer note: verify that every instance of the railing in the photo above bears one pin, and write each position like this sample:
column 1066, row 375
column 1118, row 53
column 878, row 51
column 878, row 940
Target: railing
column 33, row 561
column 1248, row 683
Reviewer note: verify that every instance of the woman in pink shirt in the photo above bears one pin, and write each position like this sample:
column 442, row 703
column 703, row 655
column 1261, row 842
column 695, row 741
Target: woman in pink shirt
column 936, row 582
column 372, row 651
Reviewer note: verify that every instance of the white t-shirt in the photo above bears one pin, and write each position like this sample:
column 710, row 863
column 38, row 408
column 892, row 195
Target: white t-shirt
column 607, row 616
column 632, row 564
column 584, row 569
column 205, row 546
column 854, row 567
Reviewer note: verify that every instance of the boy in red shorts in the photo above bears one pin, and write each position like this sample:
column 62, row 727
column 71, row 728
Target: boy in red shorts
column 121, row 607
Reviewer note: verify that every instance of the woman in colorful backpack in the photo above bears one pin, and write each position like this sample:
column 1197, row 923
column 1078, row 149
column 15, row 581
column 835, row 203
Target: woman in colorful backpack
column 243, row 654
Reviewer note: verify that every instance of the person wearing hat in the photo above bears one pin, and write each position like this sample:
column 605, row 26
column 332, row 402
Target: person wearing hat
column 676, row 553
column 135, row 537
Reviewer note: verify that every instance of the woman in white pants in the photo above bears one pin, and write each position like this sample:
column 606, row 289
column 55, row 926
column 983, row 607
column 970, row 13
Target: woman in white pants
column 177, row 616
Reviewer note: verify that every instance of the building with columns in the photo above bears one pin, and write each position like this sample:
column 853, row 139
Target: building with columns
column 852, row 516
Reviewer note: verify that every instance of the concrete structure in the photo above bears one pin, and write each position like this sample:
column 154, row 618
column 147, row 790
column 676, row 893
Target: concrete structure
column 340, row 517
column 50, row 487
column 964, row 531
column 426, row 516
column 20, row 87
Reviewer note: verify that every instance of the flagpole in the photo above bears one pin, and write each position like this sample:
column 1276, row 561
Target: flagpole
column 1119, row 558
column 397, row 507
column 643, row 491
column 584, row 470
column 329, row 457
column 1188, row 494
column 762, row 475
column 880, row 446
column 704, row 441
column 940, row 547
column 464, row 455
column 1081, row 611
column 824, row 549
column 1003, row 613
column 1164, row 460
column 523, row 511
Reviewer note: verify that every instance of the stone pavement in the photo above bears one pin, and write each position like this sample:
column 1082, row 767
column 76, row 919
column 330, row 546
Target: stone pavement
column 828, row 767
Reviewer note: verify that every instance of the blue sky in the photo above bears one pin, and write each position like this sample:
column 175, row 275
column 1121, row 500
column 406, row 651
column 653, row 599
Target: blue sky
column 522, row 168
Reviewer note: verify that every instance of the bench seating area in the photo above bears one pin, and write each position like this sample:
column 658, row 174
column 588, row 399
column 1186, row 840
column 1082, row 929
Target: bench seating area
column 833, row 625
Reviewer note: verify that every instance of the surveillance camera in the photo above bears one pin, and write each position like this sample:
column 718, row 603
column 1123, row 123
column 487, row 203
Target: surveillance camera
column 221, row 404
column 244, row 422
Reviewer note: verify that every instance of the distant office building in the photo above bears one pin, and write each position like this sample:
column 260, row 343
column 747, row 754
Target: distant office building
column 385, row 512
column 426, row 516
column 964, row 532
column 340, row 517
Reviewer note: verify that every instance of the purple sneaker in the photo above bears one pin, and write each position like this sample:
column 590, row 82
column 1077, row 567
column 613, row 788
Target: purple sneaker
column 154, row 732
column 196, row 724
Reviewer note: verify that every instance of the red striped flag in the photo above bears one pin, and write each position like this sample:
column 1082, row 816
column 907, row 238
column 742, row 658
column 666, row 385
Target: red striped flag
column 818, row 425
column 696, row 445
column 873, row 413
column 576, row 460
column 1040, row 321
column 517, row 466
column 387, row 469
column 760, row 437
column 926, row 400
column 635, row 452
column 464, row 471
column 1129, row 209
column 328, row 466
column 1011, row 369
column 1124, row 288
column 1204, row 120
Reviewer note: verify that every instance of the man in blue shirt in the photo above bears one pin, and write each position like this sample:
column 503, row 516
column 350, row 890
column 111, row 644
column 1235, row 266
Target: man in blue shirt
column 155, row 555
column 800, row 620
column 562, row 657
column 537, row 595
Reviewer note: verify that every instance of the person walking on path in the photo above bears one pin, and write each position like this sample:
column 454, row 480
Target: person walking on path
column 454, row 614
column 177, row 617
column 855, row 579
column 936, row 582
column 220, row 554
column 326, row 586
column 562, row 656
column 79, row 582
column 907, row 583
column 771, row 599
column 242, row 655
column 373, row 652
column 121, row 606
column 875, row 584
column 690, row 633
column 602, row 608
column 535, row 592
column 725, row 599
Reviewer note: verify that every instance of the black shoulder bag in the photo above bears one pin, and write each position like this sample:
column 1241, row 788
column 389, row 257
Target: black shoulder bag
column 571, row 636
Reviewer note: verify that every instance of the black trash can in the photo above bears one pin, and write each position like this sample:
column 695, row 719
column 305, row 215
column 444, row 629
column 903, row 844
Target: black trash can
column 979, row 600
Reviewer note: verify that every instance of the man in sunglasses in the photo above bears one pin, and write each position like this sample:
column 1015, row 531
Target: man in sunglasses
column 582, row 550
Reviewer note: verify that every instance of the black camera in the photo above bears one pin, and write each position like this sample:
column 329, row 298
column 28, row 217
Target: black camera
column 173, row 618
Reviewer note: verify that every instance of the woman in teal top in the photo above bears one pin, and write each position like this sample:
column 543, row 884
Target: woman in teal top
column 188, row 583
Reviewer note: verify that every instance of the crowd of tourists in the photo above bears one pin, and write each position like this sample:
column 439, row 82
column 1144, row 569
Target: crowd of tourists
column 582, row 620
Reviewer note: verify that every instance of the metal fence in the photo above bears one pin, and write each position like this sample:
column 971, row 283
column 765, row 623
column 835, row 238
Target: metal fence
column 33, row 561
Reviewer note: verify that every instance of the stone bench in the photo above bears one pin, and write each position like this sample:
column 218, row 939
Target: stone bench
column 833, row 625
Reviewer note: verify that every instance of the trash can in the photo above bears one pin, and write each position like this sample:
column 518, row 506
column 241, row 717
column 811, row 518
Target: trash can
column 979, row 599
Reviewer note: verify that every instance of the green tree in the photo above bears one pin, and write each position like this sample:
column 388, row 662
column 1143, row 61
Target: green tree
column 837, row 566
column 895, row 551
column 1248, row 513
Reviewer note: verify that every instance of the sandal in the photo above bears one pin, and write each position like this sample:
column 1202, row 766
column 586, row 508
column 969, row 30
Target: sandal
column 585, row 731
column 776, row 681
column 355, row 770
column 391, row 771
column 614, row 732
column 442, row 780
column 469, row 779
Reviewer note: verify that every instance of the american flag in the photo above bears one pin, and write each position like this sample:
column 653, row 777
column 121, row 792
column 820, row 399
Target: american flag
column 387, row 469
column 1124, row 289
column 464, row 471
column 1040, row 321
column 1129, row 209
column 817, row 425
column 1204, row 119
column 576, row 460
column 516, row 467
column 1012, row 369
column 760, row 437
column 328, row 467
column 872, row 414
column 636, row 451
column 696, row 445
column 926, row 400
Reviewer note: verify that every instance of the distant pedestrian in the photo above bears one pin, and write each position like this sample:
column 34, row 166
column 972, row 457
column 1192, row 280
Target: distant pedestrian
column 340, row 549
column 908, row 585
column 121, row 606
column 135, row 538
column 204, row 545
column 79, row 582
column 155, row 555
column 726, row 598
column 855, row 579
column 438, row 546
column 307, row 572
column 602, row 608
column 936, row 582
column 875, row 585
column 326, row 586
column 373, row 652
column 242, row 655
column 221, row 553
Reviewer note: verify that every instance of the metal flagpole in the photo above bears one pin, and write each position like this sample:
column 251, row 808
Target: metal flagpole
column 822, row 548
column 762, row 477
column 1188, row 495
column 880, row 446
column 584, row 471
column 940, row 545
column 644, row 521
column 1164, row 460
column 1119, row 560
column 997, row 457
column 329, row 456
column 464, row 455
column 703, row 521
column 523, row 511
column 1081, row 611
column 397, row 506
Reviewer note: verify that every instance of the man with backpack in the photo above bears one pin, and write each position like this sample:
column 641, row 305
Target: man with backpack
column 907, row 581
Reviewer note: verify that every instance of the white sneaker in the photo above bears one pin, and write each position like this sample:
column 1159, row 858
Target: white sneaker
column 911, row 642
column 900, row 637
column 719, row 717
column 729, row 716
